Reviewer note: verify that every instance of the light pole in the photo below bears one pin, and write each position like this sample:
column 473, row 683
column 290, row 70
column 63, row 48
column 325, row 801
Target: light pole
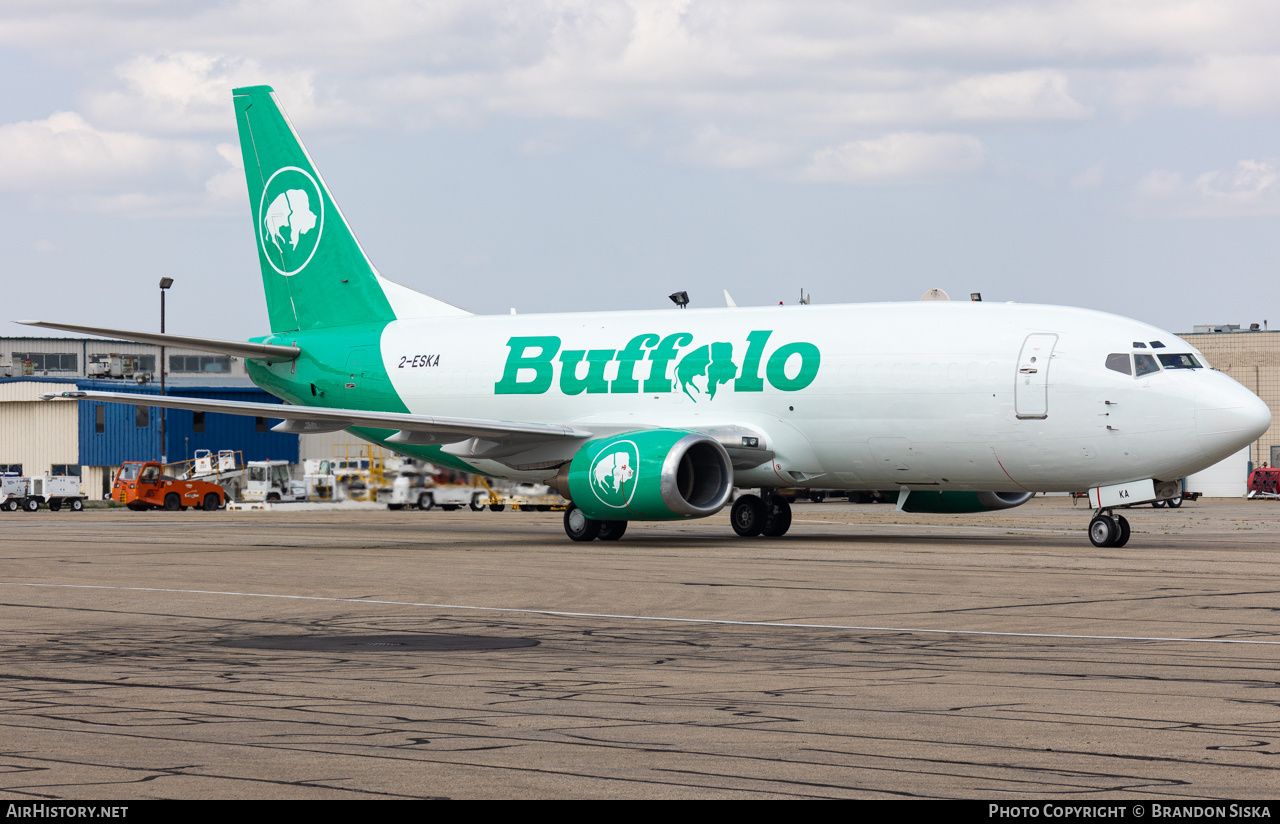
column 165, row 283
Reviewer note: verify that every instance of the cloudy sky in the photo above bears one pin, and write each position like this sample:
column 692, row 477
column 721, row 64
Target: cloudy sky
column 600, row 154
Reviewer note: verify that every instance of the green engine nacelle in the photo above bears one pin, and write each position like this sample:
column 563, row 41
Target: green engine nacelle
column 650, row 475
column 925, row 500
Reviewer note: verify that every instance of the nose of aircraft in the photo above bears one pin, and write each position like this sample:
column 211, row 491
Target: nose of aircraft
column 1229, row 417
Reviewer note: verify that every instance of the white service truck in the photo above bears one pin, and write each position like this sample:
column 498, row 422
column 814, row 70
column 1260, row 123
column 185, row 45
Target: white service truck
column 271, row 481
column 55, row 491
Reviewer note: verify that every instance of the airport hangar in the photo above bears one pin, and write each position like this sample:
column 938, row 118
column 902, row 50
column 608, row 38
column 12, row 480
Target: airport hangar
column 91, row 439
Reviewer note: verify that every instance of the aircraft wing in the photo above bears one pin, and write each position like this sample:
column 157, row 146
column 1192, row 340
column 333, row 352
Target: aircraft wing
column 239, row 349
column 412, row 429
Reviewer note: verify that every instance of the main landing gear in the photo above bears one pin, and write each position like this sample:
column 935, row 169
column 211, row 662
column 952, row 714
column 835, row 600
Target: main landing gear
column 581, row 528
column 752, row 515
column 1108, row 529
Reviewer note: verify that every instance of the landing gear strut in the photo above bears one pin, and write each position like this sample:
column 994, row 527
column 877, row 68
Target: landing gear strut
column 753, row 516
column 1108, row 529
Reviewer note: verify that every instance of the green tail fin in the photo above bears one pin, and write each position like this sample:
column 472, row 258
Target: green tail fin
column 313, row 270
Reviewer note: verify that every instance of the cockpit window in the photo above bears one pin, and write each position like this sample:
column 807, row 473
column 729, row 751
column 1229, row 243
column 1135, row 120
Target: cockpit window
column 1183, row 361
column 1155, row 344
column 1146, row 364
column 1119, row 362
column 1137, row 344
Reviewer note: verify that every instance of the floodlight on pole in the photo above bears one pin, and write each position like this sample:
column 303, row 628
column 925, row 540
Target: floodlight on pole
column 165, row 283
column 680, row 299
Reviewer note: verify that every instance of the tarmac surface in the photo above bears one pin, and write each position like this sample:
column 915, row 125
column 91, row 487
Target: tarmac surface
column 867, row 654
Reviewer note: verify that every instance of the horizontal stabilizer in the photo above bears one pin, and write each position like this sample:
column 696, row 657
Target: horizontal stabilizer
column 460, row 428
column 254, row 351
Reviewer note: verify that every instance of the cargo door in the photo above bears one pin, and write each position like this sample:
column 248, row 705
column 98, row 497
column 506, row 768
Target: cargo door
column 1031, row 389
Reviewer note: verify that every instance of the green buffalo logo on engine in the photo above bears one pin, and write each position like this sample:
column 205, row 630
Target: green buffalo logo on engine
column 700, row 372
column 614, row 474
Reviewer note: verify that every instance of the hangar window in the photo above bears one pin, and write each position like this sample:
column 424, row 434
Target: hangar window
column 197, row 422
column 1182, row 361
column 1119, row 362
column 200, row 363
column 65, row 469
column 142, row 416
column 259, row 424
column 10, row 469
column 143, row 363
column 1146, row 364
column 100, row 419
column 48, row 361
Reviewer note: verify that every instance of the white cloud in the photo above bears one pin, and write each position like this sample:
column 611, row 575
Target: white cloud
column 64, row 161
column 712, row 147
column 1039, row 94
column 1090, row 178
column 184, row 92
column 229, row 184
column 1251, row 189
column 898, row 158
column 64, row 151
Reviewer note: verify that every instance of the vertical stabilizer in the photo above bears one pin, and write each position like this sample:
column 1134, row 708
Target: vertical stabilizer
column 313, row 270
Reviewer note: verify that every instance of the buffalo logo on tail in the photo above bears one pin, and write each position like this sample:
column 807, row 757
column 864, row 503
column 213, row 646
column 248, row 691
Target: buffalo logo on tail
column 290, row 219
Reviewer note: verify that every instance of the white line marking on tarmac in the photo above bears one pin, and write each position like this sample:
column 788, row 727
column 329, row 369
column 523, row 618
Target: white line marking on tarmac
column 719, row 621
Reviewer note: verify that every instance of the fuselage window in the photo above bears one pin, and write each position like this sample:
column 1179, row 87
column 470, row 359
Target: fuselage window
column 1184, row 361
column 1146, row 364
column 1155, row 344
column 1119, row 362
column 1137, row 344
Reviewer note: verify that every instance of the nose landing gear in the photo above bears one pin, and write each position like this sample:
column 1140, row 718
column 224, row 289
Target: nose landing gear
column 1108, row 529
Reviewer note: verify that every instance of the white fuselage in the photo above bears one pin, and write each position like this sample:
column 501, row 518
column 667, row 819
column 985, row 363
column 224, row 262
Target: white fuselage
column 871, row 396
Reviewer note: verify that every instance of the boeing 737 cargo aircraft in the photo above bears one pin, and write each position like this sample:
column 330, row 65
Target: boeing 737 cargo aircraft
column 962, row 407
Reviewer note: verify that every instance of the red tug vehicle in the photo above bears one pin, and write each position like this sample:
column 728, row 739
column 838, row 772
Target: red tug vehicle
column 143, row 485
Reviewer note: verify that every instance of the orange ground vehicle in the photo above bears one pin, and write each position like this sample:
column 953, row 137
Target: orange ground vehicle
column 143, row 485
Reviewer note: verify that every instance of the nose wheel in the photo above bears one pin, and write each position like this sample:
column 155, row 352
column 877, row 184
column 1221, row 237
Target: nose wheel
column 1108, row 529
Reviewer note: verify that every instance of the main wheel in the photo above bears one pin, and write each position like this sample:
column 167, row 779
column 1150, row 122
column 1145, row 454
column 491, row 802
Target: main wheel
column 1174, row 503
column 777, row 516
column 1123, row 537
column 172, row 503
column 425, row 501
column 611, row 530
column 817, row 497
column 477, row 502
column 578, row 526
column 30, row 504
column 747, row 516
column 76, row 505
column 1103, row 531
column 211, row 502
